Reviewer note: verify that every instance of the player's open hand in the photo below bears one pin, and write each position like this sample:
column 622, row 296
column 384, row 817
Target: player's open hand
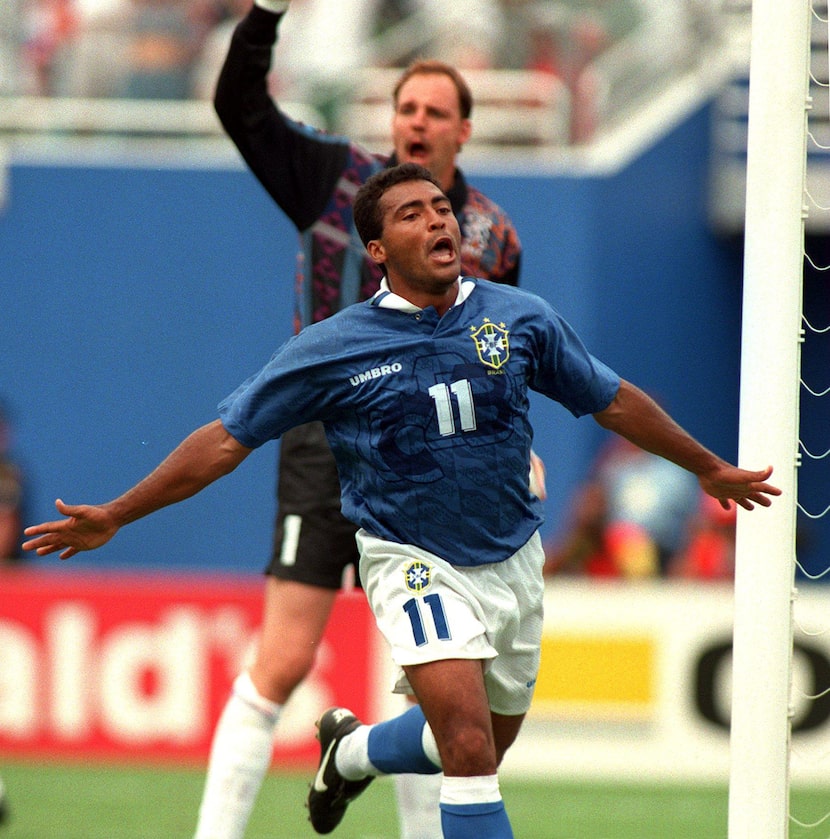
column 86, row 527
column 744, row 487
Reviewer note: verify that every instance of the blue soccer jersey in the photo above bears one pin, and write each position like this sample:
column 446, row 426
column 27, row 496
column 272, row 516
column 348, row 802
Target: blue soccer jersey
column 427, row 416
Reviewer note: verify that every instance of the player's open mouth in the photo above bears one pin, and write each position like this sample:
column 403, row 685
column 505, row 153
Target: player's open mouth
column 443, row 249
column 417, row 151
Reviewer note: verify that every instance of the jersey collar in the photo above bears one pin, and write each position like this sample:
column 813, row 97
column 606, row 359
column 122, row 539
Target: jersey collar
column 387, row 299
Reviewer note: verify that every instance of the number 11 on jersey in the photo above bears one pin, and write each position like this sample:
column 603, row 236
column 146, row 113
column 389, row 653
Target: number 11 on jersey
column 442, row 396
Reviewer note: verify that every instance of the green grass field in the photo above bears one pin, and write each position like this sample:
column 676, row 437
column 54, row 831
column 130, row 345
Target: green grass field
column 78, row 801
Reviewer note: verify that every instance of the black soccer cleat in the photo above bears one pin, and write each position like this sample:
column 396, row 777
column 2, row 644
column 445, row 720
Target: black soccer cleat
column 330, row 792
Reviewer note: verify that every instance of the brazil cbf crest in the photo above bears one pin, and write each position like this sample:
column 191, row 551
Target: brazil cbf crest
column 492, row 343
column 418, row 576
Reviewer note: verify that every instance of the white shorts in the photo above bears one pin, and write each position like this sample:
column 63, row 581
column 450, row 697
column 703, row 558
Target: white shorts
column 429, row 610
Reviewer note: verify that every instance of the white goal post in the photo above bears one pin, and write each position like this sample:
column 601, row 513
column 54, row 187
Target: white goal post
column 770, row 375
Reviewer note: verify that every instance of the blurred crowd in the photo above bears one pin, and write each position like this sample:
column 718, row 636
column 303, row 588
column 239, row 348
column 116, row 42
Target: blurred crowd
column 172, row 49
column 638, row 516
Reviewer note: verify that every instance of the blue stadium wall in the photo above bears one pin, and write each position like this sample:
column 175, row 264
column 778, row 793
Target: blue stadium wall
column 134, row 296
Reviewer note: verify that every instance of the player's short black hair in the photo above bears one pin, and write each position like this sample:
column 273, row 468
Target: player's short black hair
column 368, row 216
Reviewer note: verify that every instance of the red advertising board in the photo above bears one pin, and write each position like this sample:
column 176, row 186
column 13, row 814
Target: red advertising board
column 139, row 666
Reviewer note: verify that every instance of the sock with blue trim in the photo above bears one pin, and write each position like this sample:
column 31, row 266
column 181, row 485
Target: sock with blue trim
column 403, row 744
column 473, row 807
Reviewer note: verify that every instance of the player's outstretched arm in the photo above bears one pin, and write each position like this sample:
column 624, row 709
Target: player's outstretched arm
column 207, row 454
column 637, row 417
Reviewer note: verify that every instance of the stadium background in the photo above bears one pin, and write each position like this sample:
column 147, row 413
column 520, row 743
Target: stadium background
column 137, row 291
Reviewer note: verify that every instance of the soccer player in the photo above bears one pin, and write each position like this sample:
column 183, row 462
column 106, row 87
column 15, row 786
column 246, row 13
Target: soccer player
column 423, row 393
column 313, row 178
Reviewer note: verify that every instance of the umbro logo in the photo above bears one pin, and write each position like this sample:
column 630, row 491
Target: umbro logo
column 375, row 373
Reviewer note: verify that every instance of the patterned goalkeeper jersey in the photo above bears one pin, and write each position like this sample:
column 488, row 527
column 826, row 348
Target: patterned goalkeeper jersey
column 313, row 176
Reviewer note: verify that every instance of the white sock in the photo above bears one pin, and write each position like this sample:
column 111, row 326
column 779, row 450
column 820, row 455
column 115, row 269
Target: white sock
column 418, row 814
column 239, row 758
column 352, row 755
column 479, row 789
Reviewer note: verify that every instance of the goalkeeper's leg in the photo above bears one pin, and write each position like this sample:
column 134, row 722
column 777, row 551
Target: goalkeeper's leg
column 239, row 758
column 294, row 620
column 419, row 816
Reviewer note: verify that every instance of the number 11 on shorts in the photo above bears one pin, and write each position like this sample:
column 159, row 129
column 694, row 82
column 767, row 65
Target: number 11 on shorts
column 412, row 607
